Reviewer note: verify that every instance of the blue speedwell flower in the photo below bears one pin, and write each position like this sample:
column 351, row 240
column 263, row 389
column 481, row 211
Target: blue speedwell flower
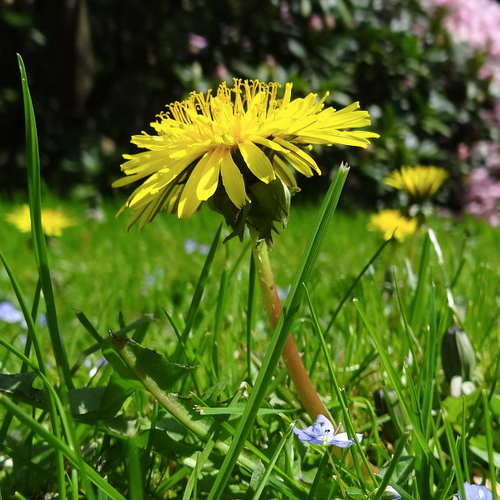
column 10, row 314
column 322, row 432
column 475, row 492
column 391, row 493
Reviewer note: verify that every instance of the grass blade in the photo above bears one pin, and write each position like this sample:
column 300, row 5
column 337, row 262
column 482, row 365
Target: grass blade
column 58, row 445
column 395, row 380
column 198, row 294
column 265, row 477
column 280, row 334
column 38, row 237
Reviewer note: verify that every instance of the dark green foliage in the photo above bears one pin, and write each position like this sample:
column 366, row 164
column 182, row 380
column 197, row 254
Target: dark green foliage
column 100, row 72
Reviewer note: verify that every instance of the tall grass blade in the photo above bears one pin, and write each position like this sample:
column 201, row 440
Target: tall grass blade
column 49, row 437
column 26, row 313
column 395, row 380
column 279, row 336
column 341, row 399
column 418, row 299
column 39, row 245
column 429, row 368
column 490, row 445
column 455, row 457
column 353, row 286
column 198, row 294
column 250, row 317
column 265, row 477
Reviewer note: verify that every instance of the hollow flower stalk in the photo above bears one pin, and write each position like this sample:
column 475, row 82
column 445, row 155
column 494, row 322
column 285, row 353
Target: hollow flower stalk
column 220, row 146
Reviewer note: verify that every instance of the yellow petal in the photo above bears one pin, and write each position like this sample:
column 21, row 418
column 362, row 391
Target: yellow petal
column 301, row 157
column 233, row 179
column 284, row 173
column 257, row 161
column 201, row 184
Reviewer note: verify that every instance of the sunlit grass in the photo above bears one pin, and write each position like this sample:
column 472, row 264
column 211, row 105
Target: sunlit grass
column 370, row 329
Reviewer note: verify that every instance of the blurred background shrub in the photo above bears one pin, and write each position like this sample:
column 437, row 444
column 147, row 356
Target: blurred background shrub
column 100, row 71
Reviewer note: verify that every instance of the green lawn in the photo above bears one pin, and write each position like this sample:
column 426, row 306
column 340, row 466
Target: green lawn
column 400, row 315
column 146, row 366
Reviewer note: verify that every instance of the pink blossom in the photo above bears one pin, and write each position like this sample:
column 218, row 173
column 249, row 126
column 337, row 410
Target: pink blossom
column 197, row 42
column 315, row 22
column 483, row 195
column 476, row 23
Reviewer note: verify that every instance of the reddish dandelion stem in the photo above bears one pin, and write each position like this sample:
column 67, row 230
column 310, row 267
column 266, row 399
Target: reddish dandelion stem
column 306, row 391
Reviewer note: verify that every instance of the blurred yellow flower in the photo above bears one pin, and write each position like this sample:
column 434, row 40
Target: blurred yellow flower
column 418, row 181
column 216, row 146
column 393, row 223
column 53, row 221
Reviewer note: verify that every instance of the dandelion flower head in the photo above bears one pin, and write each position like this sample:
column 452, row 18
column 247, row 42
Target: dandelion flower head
column 215, row 146
column 53, row 220
column 419, row 181
column 391, row 223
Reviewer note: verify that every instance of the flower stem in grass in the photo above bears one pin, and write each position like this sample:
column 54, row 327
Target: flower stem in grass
column 279, row 336
column 305, row 389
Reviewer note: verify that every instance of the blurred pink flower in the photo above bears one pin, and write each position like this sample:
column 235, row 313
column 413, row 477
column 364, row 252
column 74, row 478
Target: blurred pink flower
column 476, row 24
column 482, row 199
column 222, row 73
column 315, row 22
column 197, row 42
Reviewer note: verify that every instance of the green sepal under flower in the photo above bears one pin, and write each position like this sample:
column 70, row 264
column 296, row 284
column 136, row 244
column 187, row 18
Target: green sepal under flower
column 270, row 206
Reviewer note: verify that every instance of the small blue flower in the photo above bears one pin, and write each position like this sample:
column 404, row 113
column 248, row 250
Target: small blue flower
column 322, row 432
column 190, row 246
column 475, row 492
column 10, row 314
column 204, row 249
column 391, row 493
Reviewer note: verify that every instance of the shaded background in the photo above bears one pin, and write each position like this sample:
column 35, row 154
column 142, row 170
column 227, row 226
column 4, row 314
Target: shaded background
column 99, row 71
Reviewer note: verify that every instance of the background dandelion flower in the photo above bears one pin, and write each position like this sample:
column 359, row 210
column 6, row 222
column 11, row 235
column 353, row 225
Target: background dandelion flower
column 419, row 181
column 216, row 146
column 391, row 223
column 53, row 221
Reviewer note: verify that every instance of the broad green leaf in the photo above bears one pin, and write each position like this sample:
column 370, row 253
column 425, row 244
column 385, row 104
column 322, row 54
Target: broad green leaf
column 134, row 362
column 87, row 404
column 479, row 447
column 20, row 387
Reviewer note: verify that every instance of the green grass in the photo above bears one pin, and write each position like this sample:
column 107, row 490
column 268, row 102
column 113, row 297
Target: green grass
column 141, row 426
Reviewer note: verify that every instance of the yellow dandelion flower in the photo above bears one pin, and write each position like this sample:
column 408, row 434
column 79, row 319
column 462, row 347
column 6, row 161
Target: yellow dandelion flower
column 53, row 221
column 418, row 181
column 218, row 145
column 393, row 223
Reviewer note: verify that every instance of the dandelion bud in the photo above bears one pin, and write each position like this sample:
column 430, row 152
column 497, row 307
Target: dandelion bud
column 270, row 205
column 457, row 355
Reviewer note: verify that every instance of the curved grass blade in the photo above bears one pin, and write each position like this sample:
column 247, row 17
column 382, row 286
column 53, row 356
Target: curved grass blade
column 395, row 380
column 38, row 237
column 198, row 294
column 265, row 476
column 71, row 455
column 280, row 334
